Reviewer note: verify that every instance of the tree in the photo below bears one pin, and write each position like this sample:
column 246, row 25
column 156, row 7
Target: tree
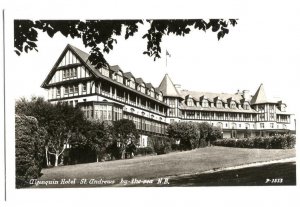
column 62, row 122
column 216, row 133
column 186, row 132
column 125, row 133
column 205, row 131
column 29, row 154
column 98, row 137
column 100, row 35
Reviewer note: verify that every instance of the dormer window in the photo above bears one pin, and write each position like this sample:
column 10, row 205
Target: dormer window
column 219, row 104
column 105, row 72
column 232, row 105
column 142, row 88
column 246, row 106
column 190, row 102
column 283, row 107
column 131, row 83
column 204, row 103
column 114, row 76
column 120, row 77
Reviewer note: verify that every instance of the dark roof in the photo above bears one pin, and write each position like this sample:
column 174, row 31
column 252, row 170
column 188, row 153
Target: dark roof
column 128, row 75
column 139, row 80
column 115, row 68
column 157, row 90
column 149, row 85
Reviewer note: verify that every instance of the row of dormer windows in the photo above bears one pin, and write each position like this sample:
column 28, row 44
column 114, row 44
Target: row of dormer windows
column 219, row 104
column 131, row 83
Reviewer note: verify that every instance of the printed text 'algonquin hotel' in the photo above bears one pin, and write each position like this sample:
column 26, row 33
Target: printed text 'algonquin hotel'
column 112, row 94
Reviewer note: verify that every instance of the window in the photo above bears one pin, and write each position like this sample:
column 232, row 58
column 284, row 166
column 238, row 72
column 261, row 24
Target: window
column 219, row 104
column 105, row 72
column 119, row 78
column 190, row 114
column 84, row 88
column 205, row 115
column 64, row 74
column 71, row 89
column 232, row 105
column 172, row 103
column 262, row 125
column 76, row 102
column 66, row 89
column 58, row 92
column 246, row 106
column 74, row 72
column 75, row 89
column 204, row 103
column 190, row 102
column 272, row 125
column 132, row 83
column 261, row 108
column 220, row 115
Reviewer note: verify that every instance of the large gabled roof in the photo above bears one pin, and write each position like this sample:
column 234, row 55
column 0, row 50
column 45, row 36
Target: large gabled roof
column 168, row 88
column 82, row 56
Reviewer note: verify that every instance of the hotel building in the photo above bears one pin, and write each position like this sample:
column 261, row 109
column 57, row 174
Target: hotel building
column 112, row 94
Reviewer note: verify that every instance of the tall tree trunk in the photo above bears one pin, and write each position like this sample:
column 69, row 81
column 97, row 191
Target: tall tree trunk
column 56, row 159
column 62, row 159
column 47, row 158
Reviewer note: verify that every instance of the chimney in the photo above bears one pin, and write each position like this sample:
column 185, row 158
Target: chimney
column 246, row 94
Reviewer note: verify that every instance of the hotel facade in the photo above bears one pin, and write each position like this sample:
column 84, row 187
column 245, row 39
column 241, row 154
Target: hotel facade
column 112, row 94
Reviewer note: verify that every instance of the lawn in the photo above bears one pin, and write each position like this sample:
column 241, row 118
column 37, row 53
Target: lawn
column 153, row 167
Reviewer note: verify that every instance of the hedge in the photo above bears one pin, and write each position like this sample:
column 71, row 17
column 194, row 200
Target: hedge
column 29, row 150
column 274, row 142
column 144, row 151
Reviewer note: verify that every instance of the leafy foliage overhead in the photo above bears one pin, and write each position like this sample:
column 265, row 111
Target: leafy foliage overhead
column 100, row 35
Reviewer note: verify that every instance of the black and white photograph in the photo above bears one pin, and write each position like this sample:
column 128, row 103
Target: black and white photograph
column 121, row 103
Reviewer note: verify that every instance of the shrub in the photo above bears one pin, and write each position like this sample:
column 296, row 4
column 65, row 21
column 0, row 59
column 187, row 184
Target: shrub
column 144, row 151
column 291, row 141
column 160, row 145
column 275, row 142
column 29, row 150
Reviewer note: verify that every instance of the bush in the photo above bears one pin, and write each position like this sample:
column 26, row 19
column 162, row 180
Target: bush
column 29, row 150
column 160, row 145
column 144, row 151
column 275, row 142
column 291, row 141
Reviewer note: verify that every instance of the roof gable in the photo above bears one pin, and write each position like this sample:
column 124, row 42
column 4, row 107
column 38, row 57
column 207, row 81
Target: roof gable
column 70, row 56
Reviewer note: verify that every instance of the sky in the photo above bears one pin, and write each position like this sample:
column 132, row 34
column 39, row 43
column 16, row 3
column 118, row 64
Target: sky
column 255, row 51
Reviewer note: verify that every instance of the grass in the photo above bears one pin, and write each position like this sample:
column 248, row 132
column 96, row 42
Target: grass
column 172, row 164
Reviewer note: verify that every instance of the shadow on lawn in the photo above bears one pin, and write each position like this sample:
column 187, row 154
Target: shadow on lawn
column 250, row 176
